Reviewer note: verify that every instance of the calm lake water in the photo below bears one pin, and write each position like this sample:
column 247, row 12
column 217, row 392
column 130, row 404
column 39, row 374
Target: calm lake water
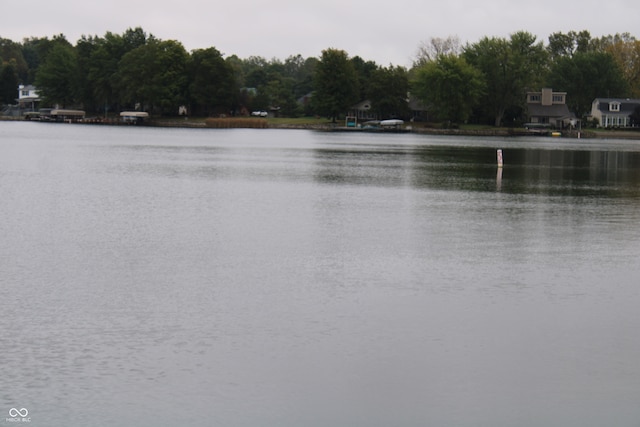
column 244, row 278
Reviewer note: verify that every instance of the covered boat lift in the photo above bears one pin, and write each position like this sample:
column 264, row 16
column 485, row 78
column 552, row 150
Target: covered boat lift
column 134, row 117
column 69, row 116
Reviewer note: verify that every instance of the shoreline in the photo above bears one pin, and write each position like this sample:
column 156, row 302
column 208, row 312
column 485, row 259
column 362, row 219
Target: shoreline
column 488, row 132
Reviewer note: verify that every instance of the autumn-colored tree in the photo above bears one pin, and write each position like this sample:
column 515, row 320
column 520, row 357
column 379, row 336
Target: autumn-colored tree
column 625, row 50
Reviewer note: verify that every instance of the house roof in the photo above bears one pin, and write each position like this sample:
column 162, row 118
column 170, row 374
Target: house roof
column 413, row 103
column 555, row 110
column 362, row 105
column 627, row 106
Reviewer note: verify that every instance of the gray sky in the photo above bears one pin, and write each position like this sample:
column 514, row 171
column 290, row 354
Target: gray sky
column 386, row 32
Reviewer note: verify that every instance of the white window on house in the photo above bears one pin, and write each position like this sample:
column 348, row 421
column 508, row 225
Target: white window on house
column 535, row 98
column 25, row 93
column 614, row 106
column 559, row 99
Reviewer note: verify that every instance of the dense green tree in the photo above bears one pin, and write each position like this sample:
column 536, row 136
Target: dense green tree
column 103, row 67
column 8, row 82
column 531, row 59
column 133, row 38
column 84, row 49
column 31, row 59
column 104, row 64
column 387, row 91
column 57, row 77
column 235, row 63
column 35, row 51
column 252, row 71
column 254, row 75
column 100, row 67
column 154, row 75
column 586, row 76
column 336, row 84
column 275, row 67
column 11, row 53
column 268, row 84
column 212, row 84
column 492, row 57
column 561, row 44
column 257, row 77
column 510, row 68
column 300, row 70
column 582, row 65
column 450, row 85
column 364, row 71
column 279, row 93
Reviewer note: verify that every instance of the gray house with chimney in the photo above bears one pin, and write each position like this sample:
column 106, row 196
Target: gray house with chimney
column 548, row 108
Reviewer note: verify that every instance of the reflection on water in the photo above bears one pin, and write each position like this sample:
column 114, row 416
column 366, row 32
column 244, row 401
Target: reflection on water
column 559, row 172
column 239, row 278
column 554, row 172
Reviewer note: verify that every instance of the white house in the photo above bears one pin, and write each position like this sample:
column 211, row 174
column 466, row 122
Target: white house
column 613, row 112
column 27, row 97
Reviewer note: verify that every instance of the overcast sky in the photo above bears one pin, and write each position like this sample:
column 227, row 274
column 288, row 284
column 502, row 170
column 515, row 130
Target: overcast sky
column 386, row 32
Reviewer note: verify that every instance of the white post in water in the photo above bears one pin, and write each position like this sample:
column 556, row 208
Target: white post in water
column 499, row 158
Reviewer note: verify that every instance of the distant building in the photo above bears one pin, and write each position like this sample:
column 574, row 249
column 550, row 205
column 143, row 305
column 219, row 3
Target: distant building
column 419, row 111
column 548, row 108
column 305, row 100
column 28, row 97
column 362, row 111
column 614, row 112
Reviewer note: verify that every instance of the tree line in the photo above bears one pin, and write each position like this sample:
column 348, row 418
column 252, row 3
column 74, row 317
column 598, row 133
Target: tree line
column 487, row 81
column 481, row 82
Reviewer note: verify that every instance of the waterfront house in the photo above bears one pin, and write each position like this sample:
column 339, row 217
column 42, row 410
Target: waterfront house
column 362, row 111
column 548, row 108
column 418, row 110
column 27, row 97
column 614, row 112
